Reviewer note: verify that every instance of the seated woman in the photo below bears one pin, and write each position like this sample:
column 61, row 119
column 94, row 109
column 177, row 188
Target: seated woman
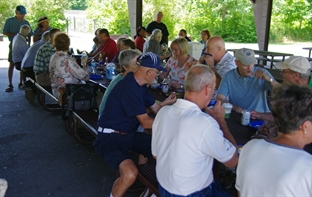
column 125, row 44
column 152, row 44
column 63, row 68
column 139, row 38
column 42, row 26
column 179, row 63
column 280, row 166
column 118, row 44
column 205, row 35
column 183, row 34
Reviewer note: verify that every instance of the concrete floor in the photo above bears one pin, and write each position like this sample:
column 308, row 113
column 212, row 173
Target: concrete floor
column 39, row 158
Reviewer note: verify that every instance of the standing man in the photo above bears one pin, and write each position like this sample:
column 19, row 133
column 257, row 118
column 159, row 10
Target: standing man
column 186, row 140
column 125, row 110
column 29, row 58
column 11, row 28
column 42, row 60
column 157, row 24
column 19, row 49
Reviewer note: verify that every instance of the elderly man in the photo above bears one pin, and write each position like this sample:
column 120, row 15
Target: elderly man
column 11, row 28
column 217, row 57
column 125, row 110
column 29, row 58
column 19, row 49
column 42, row 60
column 108, row 47
column 246, row 85
column 186, row 140
column 157, row 24
column 295, row 70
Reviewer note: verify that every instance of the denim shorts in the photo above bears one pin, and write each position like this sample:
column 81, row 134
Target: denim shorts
column 213, row 190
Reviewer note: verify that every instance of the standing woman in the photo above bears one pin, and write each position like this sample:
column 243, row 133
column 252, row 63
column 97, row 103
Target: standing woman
column 42, row 26
column 179, row 63
column 63, row 68
column 139, row 38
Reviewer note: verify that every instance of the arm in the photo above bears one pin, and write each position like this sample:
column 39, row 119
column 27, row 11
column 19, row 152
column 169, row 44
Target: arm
column 166, row 40
column 169, row 101
column 261, row 116
column 262, row 75
column 145, row 121
column 217, row 112
column 9, row 34
column 222, row 98
column 35, row 38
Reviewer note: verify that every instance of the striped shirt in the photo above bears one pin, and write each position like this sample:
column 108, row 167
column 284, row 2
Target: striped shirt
column 43, row 57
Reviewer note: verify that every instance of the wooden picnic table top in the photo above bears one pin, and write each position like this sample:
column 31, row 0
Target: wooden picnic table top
column 267, row 53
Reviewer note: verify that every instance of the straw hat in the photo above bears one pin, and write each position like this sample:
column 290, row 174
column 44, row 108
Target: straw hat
column 42, row 20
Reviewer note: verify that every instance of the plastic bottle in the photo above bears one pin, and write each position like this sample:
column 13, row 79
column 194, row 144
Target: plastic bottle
column 100, row 61
column 108, row 72
column 165, row 85
column 93, row 65
column 113, row 72
column 105, row 64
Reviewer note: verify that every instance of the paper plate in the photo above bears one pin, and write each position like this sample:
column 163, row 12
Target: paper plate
column 256, row 124
column 96, row 77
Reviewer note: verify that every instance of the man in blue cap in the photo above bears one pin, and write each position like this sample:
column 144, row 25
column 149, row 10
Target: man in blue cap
column 11, row 28
column 125, row 110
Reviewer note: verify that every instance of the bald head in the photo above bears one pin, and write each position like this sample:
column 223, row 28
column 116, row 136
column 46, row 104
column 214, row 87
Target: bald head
column 216, row 47
column 198, row 77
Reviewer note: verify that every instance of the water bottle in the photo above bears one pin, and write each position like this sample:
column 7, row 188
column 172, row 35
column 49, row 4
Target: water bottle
column 105, row 64
column 84, row 55
column 108, row 72
column 93, row 65
column 100, row 61
column 165, row 85
column 113, row 71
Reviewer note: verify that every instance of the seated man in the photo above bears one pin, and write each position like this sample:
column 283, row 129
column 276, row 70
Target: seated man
column 246, row 85
column 107, row 48
column 42, row 60
column 218, row 58
column 125, row 44
column 124, row 111
column 19, row 49
column 186, row 140
column 295, row 70
column 29, row 58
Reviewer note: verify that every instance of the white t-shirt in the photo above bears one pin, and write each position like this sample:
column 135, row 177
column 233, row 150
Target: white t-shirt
column 269, row 169
column 185, row 141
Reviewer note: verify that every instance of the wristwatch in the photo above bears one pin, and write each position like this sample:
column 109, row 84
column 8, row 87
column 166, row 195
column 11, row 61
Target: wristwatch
column 271, row 79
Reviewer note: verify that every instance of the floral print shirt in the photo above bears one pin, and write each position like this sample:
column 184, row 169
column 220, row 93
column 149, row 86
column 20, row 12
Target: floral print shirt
column 178, row 74
column 64, row 69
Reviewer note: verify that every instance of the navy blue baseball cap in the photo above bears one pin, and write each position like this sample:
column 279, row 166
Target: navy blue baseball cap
column 21, row 9
column 150, row 60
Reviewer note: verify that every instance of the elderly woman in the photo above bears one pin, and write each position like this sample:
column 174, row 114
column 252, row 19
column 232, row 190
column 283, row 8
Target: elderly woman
column 280, row 166
column 179, row 63
column 152, row 44
column 42, row 26
column 63, row 68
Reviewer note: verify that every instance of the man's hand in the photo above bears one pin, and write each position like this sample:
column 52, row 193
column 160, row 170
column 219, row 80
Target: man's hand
column 217, row 112
column 254, row 115
column 172, row 98
column 209, row 60
column 259, row 74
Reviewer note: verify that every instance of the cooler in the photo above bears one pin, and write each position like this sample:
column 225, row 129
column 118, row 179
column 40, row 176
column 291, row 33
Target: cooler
column 195, row 49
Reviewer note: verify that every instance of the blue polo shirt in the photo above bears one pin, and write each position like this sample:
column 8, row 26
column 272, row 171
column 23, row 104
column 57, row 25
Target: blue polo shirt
column 12, row 25
column 126, row 100
column 247, row 92
column 29, row 58
column 19, row 48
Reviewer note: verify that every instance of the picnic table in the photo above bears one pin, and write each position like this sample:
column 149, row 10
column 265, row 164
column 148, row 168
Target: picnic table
column 262, row 56
column 308, row 48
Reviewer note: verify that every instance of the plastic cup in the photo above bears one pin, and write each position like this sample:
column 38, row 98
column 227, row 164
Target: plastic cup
column 227, row 108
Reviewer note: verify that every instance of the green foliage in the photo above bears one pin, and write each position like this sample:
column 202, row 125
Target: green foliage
column 78, row 4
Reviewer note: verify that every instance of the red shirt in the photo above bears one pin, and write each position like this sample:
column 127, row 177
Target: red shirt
column 139, row 42
column 110, row 49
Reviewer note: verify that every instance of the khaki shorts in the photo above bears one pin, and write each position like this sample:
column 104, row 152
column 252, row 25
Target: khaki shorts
column 43, row 79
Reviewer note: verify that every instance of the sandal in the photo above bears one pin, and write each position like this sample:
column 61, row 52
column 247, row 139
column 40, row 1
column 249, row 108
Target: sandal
column 9, row 88
column 21, row 86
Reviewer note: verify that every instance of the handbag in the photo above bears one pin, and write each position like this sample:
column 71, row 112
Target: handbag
column 81, row 96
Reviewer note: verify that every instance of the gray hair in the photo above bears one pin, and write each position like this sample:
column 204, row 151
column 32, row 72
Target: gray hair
column 198, row 77
column 126, row 56
column 24, row 30
column 46, row 36
column 155, row 34
column 305, row 75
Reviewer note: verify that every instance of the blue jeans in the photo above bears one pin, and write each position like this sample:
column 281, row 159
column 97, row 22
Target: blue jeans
column 213, row 190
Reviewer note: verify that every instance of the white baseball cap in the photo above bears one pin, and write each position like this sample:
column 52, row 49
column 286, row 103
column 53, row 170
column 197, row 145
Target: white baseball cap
column 246, row 56
column 295, row 63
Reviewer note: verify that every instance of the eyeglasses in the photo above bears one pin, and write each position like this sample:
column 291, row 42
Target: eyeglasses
column 156, row 71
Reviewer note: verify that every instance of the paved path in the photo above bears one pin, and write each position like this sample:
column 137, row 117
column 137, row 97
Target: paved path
column 39, row 158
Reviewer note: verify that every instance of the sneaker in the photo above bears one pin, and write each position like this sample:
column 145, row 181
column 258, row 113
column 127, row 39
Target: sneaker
column 9, row 88
column 21, row 86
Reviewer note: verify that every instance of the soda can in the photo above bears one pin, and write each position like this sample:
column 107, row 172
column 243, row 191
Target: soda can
column 165, row 87
column 212, row 103
column 245, row 117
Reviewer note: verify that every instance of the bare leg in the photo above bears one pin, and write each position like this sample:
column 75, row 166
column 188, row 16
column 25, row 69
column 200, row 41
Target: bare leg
column 10, row 72
column 142, row 159
column 21, row 77
column 128, row 173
